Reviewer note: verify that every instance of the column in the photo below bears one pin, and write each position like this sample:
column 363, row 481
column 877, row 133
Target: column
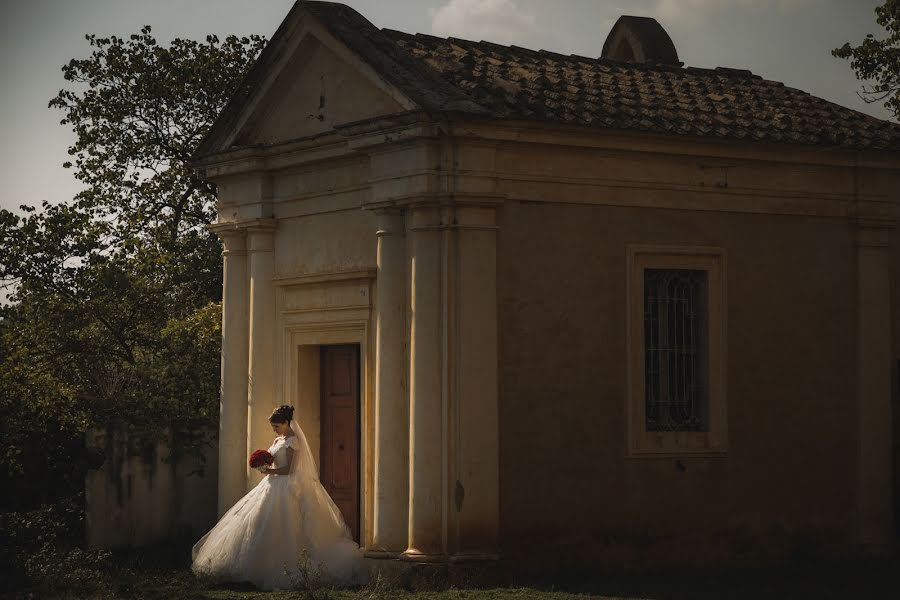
column 474, row 419
column 261, row 363
column 874, row 385
column 391, row 478
column 426, row 442
column 233, row 394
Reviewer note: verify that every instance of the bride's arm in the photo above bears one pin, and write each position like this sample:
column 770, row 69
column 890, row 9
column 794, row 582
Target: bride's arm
column 286, row 468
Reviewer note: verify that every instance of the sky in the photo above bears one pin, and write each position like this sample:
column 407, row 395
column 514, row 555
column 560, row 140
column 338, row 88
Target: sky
column 784, row 40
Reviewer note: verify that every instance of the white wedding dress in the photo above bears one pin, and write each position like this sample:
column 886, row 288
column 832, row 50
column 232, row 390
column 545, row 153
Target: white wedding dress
column 284, row 530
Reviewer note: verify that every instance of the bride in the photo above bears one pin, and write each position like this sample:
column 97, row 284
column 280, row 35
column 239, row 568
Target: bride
column 285, row 527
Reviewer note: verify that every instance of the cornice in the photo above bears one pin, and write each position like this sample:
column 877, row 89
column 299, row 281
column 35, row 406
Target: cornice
column 241, row 227
column 731, row 152
column 350, row 139
column 440, row 199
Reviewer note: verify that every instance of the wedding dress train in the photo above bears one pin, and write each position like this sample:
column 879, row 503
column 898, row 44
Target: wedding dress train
column 282, row 531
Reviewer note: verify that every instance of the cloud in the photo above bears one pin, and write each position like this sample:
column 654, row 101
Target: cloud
column 499, row 21
column 697, row 10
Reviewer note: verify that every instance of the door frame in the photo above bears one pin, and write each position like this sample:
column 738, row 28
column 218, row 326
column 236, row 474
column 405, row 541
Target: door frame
column 305, row 325
column 305, row 396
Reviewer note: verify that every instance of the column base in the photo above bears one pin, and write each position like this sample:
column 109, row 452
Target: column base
column 382, row 554
column 435, row 572
column 413, row 555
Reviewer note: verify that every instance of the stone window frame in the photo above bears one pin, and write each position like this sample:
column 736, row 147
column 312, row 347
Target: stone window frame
column 639, row 441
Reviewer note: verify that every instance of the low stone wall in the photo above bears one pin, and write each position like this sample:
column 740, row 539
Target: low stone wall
column 137, row 498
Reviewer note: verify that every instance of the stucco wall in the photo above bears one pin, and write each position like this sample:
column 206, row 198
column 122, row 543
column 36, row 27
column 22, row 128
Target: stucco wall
column 325, row 243
column 789, row 475
column 137, row 498
column 316, row 91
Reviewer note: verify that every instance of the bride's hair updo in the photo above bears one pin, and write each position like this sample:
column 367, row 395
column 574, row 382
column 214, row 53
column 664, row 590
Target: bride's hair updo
column 282, row 414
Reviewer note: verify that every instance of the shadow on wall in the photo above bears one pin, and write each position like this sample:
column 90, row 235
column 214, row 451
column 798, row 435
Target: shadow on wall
column 136, row 498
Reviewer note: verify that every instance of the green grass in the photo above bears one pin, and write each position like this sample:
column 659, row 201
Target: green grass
column 164, row 574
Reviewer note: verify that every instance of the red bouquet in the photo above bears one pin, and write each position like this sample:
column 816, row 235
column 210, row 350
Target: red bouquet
column 260, row 459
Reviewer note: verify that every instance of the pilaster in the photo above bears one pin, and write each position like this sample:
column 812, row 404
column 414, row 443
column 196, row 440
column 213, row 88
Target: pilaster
column 391, row 464
column 427, row 401
column 453, row 429
column 454, row 435
column 875, row 492
column 261, row 362
column 474, row 472
column 233, row 391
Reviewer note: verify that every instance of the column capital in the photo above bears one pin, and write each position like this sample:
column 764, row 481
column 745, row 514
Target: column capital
column 226, row 229
column 383, row 207
column 240, row 228
column 471, row 214
column 391, row 221
column 234, row 244
column 260, row 235
column 261, row 225
column 239, row 236
column 233, row 238
column 388, row 210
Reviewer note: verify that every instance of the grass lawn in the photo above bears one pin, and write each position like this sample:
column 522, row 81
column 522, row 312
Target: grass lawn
column 163, row 573
column 167, row 577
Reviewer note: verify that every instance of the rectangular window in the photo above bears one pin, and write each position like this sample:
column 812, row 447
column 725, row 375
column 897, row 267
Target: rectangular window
column 675, row 326
column 676, row 351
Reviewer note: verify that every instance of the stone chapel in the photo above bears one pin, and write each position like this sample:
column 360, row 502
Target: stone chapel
column 559, row 309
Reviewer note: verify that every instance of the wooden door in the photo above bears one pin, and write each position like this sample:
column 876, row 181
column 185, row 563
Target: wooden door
column 339, row 453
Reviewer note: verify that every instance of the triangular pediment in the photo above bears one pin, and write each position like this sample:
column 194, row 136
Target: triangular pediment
column 304, row 83
column 316, row 90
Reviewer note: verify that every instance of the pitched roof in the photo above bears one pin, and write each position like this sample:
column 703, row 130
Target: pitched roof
column 517, row 83
column 508, row 82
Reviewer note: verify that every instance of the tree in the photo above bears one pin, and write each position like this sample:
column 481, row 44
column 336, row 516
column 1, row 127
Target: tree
column 878, row 60
column 113, row 312
column 144, row 110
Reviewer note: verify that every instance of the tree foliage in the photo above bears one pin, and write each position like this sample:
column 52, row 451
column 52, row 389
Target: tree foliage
column 139, row 113
column 878, row 60
column 113, row 306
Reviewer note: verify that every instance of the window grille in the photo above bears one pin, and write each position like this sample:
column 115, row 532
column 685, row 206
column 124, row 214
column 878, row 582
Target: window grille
column 675, row 350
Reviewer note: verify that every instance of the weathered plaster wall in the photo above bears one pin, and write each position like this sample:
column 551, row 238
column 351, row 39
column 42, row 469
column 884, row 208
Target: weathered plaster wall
column 788, row 481
column 325, row 243
column 136, row 498
column 316, row 91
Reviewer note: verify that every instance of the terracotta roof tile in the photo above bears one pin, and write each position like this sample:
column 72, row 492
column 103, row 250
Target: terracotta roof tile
column 518, row 83
column 484, row 79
